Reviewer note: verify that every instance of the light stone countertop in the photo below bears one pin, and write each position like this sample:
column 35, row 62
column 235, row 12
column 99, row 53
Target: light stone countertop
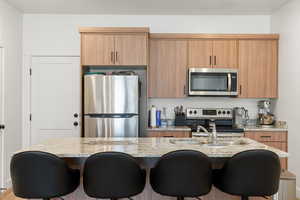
column 171, row 128
column 267, row 129
column 145, row 147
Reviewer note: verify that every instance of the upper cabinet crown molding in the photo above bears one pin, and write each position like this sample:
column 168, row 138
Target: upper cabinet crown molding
column 114, row 30
column 214, row 36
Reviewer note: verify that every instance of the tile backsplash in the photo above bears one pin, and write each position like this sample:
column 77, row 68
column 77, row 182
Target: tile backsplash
column 205, row 102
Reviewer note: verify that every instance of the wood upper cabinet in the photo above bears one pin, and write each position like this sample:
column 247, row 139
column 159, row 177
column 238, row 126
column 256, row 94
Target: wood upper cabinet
column 225, row 54
column 258, row 68
column 97, row 49
column 167, row 70
column 114, row 49
column 213, row 53
column 131, row 49
column 200, row 53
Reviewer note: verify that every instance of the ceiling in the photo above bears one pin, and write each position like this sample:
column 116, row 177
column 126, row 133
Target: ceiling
column 148, row 6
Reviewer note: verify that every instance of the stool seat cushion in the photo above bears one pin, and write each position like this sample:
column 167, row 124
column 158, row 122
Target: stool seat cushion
column 249, row 173
column 42, row 175
column 113, row 175
column 183, row 173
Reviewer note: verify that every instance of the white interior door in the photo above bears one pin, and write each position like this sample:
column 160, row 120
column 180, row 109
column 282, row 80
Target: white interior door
column 1, row 118
column 55, row 98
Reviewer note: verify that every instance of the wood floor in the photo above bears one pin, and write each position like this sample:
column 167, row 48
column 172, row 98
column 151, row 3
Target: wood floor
column 8, row 195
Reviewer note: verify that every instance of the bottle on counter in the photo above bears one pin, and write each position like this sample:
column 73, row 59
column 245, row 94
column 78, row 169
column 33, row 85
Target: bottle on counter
column 158, row 118
column 153, row 117
column 164, row 122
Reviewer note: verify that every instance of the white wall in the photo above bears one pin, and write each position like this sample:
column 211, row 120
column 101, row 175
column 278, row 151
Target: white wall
column 286, row 21
column 11, row 36
column 58, row 34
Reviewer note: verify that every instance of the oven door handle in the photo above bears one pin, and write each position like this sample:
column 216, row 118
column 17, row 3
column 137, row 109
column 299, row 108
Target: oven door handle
column 229, row 81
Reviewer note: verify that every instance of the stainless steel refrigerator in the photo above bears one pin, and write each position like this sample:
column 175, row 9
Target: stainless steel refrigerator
column 111, row 105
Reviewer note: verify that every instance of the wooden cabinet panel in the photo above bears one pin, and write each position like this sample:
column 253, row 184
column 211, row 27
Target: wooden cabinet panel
column 200, row 53
column 176, row 134
column 267, row 136
column 131, row 49
column 258, row 68
column 277, row 140
column 167, row 70
column 97, row 49
column 225, row 53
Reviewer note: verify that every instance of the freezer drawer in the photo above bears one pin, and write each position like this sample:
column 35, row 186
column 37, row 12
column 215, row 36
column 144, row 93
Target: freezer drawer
column 111, row 127
column 111, row 94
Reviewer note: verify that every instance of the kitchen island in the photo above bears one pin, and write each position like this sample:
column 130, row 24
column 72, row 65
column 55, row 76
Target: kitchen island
column 147, row 151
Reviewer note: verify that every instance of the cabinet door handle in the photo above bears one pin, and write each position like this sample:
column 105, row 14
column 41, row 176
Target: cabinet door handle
column 112, row 57
column 210, row 60
column 215, row 59
column 184, row 90
column 117, row 55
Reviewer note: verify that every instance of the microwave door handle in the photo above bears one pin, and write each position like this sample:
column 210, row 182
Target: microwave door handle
column 229, row 82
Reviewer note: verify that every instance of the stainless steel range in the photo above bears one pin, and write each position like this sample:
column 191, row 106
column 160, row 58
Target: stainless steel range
column 209, row 121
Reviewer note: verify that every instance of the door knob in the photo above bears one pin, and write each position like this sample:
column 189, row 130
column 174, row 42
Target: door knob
column 76, row 115
column 75, row 124
column 2, row 126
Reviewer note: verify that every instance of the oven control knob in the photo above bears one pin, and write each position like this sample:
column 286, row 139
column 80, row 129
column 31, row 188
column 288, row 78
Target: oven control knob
column 228, row 112
column 191, row 112
column 195, row 112
column 219, row 113
column 224, row 112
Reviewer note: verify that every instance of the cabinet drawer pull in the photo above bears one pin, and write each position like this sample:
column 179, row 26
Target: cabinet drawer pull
column 265, row 136
column 168, row 136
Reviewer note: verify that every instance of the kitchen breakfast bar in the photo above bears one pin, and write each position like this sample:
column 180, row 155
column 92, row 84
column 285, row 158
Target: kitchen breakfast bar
column 147, row 151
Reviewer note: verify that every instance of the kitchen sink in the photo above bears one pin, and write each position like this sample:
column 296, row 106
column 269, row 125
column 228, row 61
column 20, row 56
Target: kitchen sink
column 220, row 143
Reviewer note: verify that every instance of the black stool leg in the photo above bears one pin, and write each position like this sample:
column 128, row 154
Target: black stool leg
column 245, row 198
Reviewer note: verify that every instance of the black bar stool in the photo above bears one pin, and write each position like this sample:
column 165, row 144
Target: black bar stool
column 183, row 173
column 113, row 175
column 40, row 175
column 249, row 174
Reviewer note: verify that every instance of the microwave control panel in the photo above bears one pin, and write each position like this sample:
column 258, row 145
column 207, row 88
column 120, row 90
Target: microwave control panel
column 208, row 113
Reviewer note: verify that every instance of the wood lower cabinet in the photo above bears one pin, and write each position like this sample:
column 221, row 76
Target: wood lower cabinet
column 176, row 134
column 168, row 69
column 258, row 68
column 277, row 140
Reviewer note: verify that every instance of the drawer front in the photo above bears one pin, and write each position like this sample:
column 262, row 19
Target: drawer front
column 176, row 134
column 267, row 136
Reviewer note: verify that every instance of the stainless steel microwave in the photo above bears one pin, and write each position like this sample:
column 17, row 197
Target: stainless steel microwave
column 213, row 82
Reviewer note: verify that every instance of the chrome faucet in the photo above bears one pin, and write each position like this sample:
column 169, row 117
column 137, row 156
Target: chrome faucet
column 213, row 134
column 199, row 127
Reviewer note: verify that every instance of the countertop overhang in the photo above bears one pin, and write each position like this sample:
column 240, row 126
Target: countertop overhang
column 143, row 147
